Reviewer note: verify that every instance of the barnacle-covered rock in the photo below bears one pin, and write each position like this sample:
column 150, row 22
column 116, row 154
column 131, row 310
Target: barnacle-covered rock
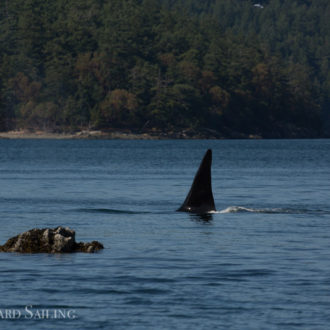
column 48, row 240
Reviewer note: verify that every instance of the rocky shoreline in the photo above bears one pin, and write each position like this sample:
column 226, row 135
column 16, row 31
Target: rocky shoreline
column 154, row 134
column 112, row 135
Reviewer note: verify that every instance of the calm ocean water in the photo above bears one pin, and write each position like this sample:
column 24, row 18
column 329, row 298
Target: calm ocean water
column 261, row 262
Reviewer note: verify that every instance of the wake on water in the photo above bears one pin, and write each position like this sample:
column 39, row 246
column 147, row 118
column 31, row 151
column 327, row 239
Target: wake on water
column 230, row 209
column 242, row 209
column 235, row 209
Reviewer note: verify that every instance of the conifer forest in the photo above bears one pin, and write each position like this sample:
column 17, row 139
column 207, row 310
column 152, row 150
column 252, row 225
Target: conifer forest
column 233, row 67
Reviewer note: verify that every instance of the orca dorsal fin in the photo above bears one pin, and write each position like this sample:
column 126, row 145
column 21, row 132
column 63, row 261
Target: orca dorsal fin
column 200, row 197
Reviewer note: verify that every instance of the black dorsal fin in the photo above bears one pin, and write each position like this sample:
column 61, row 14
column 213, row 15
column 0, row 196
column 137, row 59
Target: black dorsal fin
column 200, row 197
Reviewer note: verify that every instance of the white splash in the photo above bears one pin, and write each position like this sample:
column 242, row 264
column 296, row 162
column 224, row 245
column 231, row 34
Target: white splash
column 236, row 209
column 242, row 209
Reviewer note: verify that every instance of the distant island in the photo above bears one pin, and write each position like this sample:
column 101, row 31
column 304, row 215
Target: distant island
column 165, row 69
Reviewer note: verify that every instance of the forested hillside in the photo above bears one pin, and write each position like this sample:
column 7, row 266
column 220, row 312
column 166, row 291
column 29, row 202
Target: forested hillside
column 236, row 67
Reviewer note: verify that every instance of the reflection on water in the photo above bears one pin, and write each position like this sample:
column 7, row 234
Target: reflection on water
column 204, row 217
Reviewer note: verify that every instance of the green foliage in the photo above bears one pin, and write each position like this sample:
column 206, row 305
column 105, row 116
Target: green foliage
column 225, row 65
column 119, row 108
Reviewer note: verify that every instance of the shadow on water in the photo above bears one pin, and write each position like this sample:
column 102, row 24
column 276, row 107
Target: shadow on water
column 204, row 217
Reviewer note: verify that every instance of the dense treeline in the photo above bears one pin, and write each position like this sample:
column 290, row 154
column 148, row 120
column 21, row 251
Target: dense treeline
column 224, row 65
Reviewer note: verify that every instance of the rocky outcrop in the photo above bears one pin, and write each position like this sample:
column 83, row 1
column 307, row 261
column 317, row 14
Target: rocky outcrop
column 47, row 240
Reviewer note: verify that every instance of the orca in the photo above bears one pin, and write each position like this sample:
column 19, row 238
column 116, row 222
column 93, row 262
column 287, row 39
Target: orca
column 200, row 197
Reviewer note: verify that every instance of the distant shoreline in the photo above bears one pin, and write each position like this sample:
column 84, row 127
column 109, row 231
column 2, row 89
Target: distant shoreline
column 129, row 135
column 111, row 135
column 21, row 134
